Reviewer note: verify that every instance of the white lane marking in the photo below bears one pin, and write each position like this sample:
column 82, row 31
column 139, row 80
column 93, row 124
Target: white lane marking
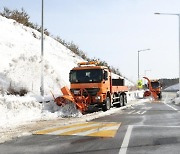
column 143, row 112
column 131, row 111
column 171, row 106
column 138, row 112
column 125, row 143
column 155, row 126
column 146, row 108
column 139, row 104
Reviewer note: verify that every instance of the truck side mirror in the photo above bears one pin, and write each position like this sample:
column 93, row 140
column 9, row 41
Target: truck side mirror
column 105, row 75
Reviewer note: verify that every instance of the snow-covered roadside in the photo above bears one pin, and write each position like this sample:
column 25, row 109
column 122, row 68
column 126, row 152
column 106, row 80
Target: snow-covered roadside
column 176, row 94
column 170, row 97
column 22, row 115
column 16, row 111
column 176, row 99
column 54, row 119
column 133, row 95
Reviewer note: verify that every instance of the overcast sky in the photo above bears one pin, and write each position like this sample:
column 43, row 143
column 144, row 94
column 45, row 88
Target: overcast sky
column 114, row 31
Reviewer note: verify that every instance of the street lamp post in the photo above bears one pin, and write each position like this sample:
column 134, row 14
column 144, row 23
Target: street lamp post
column 179, row 37
column 138, row 60
column 42, row 52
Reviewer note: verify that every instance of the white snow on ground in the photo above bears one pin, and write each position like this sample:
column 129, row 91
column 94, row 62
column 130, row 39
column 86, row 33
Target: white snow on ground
column 20, row 67
column 16, row 111
column 172, row 88
column 177, row 98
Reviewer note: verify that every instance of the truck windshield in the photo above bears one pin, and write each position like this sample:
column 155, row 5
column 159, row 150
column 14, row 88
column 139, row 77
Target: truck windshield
column 155, row 84
column 86, row 76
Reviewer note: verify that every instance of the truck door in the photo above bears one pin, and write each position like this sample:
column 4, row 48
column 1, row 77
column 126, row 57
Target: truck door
column 106, row 81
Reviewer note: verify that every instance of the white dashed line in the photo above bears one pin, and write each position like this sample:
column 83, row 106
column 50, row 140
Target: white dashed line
column 171, row 107
column 143, row 112
column 131, row 111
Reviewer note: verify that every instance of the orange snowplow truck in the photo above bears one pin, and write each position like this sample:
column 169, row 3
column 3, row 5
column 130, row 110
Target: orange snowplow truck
column 93, row 86
column 154, row 87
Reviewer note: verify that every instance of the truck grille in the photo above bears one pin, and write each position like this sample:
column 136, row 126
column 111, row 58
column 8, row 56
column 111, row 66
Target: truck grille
column 91, row 91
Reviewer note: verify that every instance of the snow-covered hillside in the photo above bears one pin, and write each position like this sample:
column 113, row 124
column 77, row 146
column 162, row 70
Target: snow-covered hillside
column 20, row 63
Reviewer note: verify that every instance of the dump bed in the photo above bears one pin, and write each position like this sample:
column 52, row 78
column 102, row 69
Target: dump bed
column 118, row 85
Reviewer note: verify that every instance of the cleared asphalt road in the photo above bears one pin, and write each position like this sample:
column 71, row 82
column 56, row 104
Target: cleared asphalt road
column 149, row 127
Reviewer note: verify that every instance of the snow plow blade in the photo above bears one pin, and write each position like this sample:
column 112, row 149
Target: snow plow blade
column 63, row 100
column 79, row 101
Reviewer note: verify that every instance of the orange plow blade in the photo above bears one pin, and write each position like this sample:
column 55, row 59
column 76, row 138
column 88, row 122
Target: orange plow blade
column 79, row 101
column 67, row 97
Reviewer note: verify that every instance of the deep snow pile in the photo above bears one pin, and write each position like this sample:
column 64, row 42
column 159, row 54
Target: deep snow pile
column 21, row 110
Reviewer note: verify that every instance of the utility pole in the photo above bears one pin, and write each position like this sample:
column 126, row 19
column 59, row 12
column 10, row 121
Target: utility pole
column 138, row 61
column 175, row 14
column 42, row 52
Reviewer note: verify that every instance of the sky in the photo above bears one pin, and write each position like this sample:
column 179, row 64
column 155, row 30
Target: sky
column 114, row 31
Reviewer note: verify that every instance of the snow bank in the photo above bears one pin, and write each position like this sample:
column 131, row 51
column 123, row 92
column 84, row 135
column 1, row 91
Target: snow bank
column 172, row 88
column 18, row 110
column 21, row 110
column 176, row 100
column 138, row 94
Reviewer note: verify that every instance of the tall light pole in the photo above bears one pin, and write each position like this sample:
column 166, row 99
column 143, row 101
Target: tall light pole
column 42, row 52
column 178, row 15
column 138, row 60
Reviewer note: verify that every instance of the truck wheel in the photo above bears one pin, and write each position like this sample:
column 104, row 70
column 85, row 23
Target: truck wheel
column 120, row 101
column 107, row 104
column 124, row 100
column 160, row 95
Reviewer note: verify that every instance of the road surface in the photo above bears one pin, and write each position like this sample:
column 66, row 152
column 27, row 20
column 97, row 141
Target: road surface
column 149, row 127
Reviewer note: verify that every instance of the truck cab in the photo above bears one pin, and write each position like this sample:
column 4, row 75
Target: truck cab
column 95, row 80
